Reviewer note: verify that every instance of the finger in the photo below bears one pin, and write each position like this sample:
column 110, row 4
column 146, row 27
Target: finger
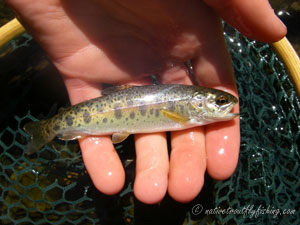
column 187, row 164
column 151, row 167
column 46, row 20
column 213, row 69
column 222, row 145
column 188, row 158
column 100, row 158
column 66, row 43
column 152, row 164
column 103, row 164
column 253, row 18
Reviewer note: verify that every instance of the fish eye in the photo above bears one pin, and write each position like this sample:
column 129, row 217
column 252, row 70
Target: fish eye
column 222, row 100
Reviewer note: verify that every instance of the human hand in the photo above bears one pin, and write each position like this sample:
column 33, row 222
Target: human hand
column 121, row 42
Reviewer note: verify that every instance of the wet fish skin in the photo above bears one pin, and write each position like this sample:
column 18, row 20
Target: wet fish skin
column 125, row 110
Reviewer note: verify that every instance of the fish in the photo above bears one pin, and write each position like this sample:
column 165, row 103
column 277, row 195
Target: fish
column 124, row 110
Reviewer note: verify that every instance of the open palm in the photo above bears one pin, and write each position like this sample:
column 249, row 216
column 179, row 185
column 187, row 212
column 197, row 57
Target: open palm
column 121, row 42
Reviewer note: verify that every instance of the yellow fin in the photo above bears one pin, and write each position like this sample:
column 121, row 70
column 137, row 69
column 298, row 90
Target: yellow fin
column 119, row 137
column 174, row 116
column 113, row 89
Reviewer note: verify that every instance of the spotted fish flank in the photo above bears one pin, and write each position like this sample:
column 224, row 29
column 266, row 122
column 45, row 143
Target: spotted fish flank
column 118, row 111
column 86, row 117
column 156, row 112
column 132, row 115
column 143, row 109
column 56, row 127
column 69, row 120
column 76, row 110
column 135, row 109
column 171, row 106
column 99, row 108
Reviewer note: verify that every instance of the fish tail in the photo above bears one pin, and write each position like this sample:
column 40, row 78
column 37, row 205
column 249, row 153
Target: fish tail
column 39, row 137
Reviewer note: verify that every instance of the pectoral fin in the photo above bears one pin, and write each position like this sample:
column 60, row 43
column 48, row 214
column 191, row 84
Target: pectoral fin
column 174, row 116
column 118, row 137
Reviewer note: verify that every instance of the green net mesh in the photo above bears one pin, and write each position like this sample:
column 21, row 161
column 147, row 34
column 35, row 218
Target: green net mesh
column 53, row 187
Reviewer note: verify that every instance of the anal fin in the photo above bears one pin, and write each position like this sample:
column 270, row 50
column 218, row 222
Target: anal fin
column 119, row 137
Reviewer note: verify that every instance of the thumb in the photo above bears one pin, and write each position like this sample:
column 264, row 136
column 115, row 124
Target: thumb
column 253, row 18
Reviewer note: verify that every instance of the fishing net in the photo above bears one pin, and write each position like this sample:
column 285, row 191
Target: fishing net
column 53, row 187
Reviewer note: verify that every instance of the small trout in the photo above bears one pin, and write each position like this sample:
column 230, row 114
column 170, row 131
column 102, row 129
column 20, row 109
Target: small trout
column 124, row 110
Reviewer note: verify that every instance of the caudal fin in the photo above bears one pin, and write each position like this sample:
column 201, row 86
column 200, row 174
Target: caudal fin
column 38, row 136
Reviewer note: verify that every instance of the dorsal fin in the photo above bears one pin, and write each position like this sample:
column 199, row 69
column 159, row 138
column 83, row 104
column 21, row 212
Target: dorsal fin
column 113, row 89
column 61, row 109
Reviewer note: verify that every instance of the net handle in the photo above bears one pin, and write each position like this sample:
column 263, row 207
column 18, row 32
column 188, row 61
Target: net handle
column 290, row 59
column 9, row 31
column 283, row 49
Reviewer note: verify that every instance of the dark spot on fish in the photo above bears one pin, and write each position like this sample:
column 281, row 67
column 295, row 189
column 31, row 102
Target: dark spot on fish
column 99, row 108
column 132, row 115
column 86, row 117
column 143, row 109
column 182, row 109
column 76, row 109
column 89, row 104
column 56, row 127
column 69, row 120
column 97, row 122
column 60, row 117
column 118, row 112
column 171, row 106
column 111, row 121
column 151, row 111
column 129, row 102
column 104, row 120
column 126, row 118
column 156, row 112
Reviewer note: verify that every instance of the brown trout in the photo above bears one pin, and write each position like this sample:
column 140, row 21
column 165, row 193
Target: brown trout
column 124, row 110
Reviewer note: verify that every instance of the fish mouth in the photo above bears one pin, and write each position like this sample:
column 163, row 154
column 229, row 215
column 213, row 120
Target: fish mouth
column 227, row 115
column 230, row 116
